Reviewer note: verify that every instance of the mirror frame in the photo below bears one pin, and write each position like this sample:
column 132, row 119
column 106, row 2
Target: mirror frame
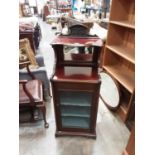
column 118, row 89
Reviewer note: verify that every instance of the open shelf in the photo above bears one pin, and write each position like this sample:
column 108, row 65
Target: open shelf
column 72, row 73
column 123, row 10
column 77, row 57
column 123, row 51
column 121, row 36
column 124, row 107
column 120, row 69
column 120, row 74
column 124, row 23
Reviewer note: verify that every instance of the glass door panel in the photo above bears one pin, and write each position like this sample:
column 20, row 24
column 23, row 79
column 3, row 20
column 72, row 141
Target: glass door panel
column 76, row 122
column 75, row 109
column 75, row 98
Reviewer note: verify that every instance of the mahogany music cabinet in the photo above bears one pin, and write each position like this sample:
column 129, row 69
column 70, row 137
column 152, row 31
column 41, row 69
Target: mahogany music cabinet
column 76, row 86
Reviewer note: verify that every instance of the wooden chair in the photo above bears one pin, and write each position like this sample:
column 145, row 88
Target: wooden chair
column 31, row 93
column 39, row 71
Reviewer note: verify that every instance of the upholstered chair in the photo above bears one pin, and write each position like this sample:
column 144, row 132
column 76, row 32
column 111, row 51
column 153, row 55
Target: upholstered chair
column 39, row 71
column 31, row 94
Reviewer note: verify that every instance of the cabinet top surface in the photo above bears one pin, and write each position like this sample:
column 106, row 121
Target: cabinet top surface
column 77, row 41
column 76, row 73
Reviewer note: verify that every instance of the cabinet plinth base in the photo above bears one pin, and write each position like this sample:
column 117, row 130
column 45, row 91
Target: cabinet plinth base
column 83, row 134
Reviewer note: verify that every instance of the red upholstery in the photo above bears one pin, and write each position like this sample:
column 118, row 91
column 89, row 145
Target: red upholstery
column 35, row 89
column 31, row 95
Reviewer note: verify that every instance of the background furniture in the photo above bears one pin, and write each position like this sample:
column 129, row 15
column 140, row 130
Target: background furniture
column 76, row 87
column 46, row 12
column 25, row 10
column 33, row 35
column 64, row 6
column 29, row 35
column 119, row 52
column 39, row 72
column 31, row 94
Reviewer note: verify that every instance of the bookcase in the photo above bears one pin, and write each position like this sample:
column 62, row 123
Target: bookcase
column 130, row 148
column 64, row 5
column 76, row 86
column 52, row 4
column 119, row 52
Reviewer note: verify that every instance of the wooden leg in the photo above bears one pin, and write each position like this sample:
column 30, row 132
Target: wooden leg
column 32, row 114
column 35, row 114
column 43, row 109
column 49, row 91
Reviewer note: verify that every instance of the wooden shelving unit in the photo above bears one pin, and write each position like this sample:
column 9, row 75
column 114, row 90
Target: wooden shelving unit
column 52, row 4
column 64, row 5
column 124, row 23
column 87, row 2
column 130, row 148
column 119, row 52
column 123, row 51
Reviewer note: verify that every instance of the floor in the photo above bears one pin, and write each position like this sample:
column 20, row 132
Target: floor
column 34, row 139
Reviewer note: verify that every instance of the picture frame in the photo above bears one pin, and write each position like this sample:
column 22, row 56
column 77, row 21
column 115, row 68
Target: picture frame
column 25, row 52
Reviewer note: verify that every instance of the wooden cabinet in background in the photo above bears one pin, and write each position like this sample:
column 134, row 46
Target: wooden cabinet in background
column 34, row 36
column 119, row 52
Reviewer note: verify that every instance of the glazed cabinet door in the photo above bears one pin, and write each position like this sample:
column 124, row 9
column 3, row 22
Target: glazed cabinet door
column 76, row 106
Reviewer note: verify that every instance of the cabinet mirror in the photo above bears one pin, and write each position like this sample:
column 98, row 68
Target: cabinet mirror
column 82, row 53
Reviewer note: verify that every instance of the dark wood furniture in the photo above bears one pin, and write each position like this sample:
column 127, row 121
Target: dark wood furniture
column 31, row 94
column 75, row 87
column 34, row 36
column 64, row 8
column 77, row 29
column 46, row 12
column 71, row 21
column 29, row 35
